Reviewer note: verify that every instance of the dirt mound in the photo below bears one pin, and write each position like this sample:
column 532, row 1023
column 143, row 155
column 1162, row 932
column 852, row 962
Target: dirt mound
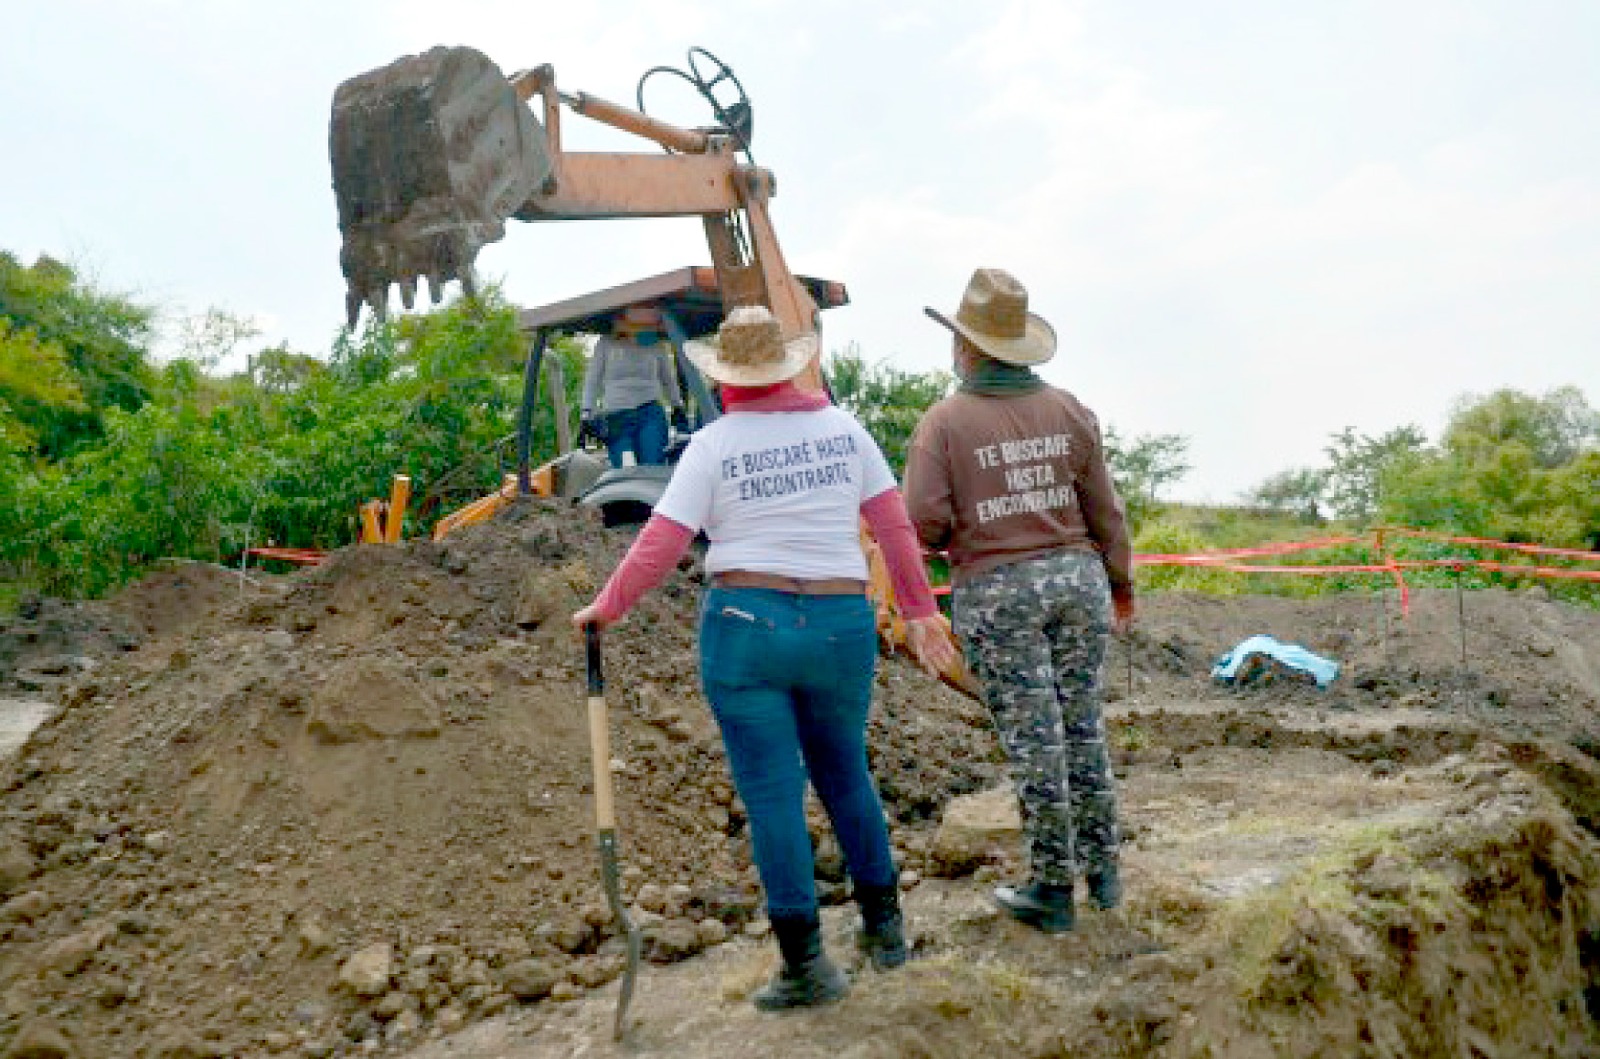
column 50, row 642
column 391, row 752
column 182, row 595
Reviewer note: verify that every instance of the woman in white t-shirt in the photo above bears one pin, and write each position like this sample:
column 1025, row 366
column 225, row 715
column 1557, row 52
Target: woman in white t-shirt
column 788, row 642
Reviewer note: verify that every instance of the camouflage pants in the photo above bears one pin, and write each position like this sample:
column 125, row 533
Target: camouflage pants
column 1035, row 634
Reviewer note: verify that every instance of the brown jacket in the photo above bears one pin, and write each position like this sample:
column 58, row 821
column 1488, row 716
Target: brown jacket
column 996, row 480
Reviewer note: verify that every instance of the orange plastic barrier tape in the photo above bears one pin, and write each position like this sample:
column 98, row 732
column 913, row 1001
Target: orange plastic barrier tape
column 1224, row 554
column 299, row 556
column 1506, row 546
column 1502, row 568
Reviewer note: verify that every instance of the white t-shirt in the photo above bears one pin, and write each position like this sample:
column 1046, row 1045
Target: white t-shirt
column 779, row 492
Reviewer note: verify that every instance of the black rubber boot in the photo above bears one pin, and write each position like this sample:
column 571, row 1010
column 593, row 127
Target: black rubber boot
column 807, row 978
column 1040, row 905
column 1105, row 888
column 883, row 928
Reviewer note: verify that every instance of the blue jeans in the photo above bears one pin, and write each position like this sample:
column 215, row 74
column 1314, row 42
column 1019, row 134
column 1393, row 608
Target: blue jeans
column 789, row 678
column 642, row 431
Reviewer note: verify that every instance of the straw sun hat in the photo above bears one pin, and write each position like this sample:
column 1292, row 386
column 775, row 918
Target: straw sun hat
column 994, row 317
column 749, row 350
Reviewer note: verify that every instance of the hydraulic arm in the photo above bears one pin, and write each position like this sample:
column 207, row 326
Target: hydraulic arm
column 432, row 153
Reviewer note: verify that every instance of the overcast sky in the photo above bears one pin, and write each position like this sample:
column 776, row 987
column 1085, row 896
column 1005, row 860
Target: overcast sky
column 1251, row 222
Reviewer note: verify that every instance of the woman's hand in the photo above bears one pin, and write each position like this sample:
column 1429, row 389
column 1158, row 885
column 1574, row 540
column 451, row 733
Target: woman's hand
column 590, row 615
column 1123, row 614
column 931, row 644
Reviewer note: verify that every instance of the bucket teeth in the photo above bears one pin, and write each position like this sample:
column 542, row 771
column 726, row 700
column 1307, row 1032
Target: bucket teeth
column 430, row 155
column 469, row 280
column 352, row 308
column 379, row 300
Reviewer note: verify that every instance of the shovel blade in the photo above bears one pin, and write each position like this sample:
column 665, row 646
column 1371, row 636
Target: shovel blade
column 611, row 877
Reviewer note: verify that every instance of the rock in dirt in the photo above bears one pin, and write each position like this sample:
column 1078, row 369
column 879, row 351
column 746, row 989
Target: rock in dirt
column 366, row 973
column 393, row 1003
column 17, row 866
column 71, row 954
column 40, row 1040
column 975, row 828
column 186, row 1046
column 314, row 938
column 25, row 907
column 711, row 932
column 546, row 599
column 673, row 940
column 405, row 1025
column 530, row 979
column 370, row 698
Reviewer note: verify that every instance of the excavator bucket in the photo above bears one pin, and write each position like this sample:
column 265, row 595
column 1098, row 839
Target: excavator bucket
column 430, row 155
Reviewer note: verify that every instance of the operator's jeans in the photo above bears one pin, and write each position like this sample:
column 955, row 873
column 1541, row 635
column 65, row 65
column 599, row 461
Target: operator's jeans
column 642, row 431
column 789, row 678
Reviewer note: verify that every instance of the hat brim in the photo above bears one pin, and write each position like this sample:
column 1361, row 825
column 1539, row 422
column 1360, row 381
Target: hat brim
column 1036, row 345
column 797, row 353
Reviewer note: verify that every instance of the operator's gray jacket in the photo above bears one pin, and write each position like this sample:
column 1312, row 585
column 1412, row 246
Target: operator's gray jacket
column 623, row 375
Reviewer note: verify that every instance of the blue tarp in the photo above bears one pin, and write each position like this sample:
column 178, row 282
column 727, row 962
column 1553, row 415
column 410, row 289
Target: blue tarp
column 1231, row 666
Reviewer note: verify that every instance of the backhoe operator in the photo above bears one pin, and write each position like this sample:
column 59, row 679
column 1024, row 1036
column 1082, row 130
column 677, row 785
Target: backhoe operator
column 629, row 376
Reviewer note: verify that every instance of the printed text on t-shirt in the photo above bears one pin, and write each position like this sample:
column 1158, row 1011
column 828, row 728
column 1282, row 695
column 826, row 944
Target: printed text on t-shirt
column 795, row 468
column 1030, row 488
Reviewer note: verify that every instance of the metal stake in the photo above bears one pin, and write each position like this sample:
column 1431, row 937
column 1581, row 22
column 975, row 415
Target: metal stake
column 1383, row 612
column 1461, row 625
column 1127, row 649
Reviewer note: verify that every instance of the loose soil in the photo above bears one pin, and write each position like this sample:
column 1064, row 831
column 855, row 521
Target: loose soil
column 386, row 757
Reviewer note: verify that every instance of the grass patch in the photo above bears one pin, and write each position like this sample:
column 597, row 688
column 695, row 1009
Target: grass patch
column 10, row 597
column 1132, row 738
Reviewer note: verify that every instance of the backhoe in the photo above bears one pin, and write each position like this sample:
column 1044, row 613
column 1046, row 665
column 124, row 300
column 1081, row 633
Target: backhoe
column 433, row 153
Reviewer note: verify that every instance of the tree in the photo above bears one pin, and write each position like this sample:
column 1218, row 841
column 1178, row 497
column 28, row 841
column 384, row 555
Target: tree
column 888, row 402
column 1511, row 466
column 37, row 387
column 1143, row 466
column 280, row 370
column 1296, row 493
column 1554, row 428
column 1358, row 464
column 103, row 337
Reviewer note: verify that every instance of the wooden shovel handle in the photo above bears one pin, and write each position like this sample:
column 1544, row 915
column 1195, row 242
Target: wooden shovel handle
column 599, row 733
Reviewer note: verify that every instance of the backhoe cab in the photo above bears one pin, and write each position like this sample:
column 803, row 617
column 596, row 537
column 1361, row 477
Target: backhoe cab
column 689, row 304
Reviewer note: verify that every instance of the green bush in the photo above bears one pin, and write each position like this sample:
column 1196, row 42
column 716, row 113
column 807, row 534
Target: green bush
column 209, row 466
column 1172, row 538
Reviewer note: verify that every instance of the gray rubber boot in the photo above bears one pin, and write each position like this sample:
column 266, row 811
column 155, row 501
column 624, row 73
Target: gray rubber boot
column 883, row 928
column 1040, row 905
column 807, row 978
column 1105, row 888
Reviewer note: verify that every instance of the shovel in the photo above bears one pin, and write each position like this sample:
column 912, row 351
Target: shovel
column 606, row 820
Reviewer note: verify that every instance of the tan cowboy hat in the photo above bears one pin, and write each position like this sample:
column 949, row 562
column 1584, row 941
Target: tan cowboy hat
column 994, row 317
column 749, row 350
